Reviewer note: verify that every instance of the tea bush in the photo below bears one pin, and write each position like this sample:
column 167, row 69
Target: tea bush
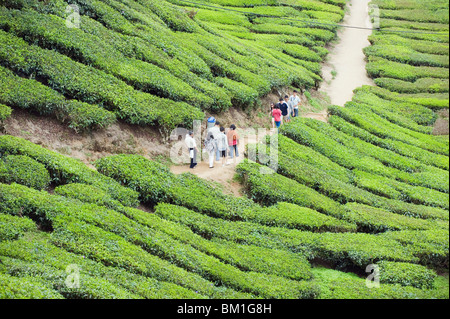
column 94, row 86
column 245, row 257
column 340, row 249
column 30, row 94
column 422, row 85
column 64, row 170
column 406, row 55
column 5, row 112
column 24, row 170
column 33, row 252
column 25, row 288
column 398, row 147
column 109, row 222
column 406, row 274
column 13, row 227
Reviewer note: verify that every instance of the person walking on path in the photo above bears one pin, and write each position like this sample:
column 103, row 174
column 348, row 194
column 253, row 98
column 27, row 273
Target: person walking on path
column 294, row 102
column 284, row 108
column 222, row 146
column 233, row 141
column 277, row 116
column 211, row 148
column 272, row 107
column 215, row 131
column 192, row 146
column 290, row 109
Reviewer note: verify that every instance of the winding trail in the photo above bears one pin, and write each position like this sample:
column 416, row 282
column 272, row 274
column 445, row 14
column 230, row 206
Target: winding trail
column 222, row 175
column 346, row 58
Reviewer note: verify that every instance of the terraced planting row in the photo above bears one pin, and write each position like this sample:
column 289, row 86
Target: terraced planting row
column 175, row 256
column 368, row 187
column 149, row 62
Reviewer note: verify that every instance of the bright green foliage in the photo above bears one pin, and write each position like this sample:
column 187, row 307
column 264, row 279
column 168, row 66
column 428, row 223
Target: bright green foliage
column 30, row 94
column 340, row 249
column 420, row 15
column 158, row 63
column 89, row 288
column 13, row 227
column 406, row 274
column 5, row 112
column 371, row 219
column 110, row 225
column 347, row 156
column 407, row 115
column 241, row 94
column 378, row 67
column 33, row 252
column 431, row 100
column 24, row 170
column 383, row 128
column 157, row 184
column 413, row 25
column 292, row 216
column 93, row 51
column 369, row 187
column 316, row 177
column 417, row 45
column 25, row 288
column 307, row 155
column 245, row 257
column 341, row 285
column 431, row 246
column 423, row 85
column 64, row 170
column 411, row 4
column 406, row 55
column 398, row 147
column 90, row 85
column 266, row 187
column 401, row 191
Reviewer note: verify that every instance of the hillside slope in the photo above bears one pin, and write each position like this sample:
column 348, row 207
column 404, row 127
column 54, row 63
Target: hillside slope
column 369, row 187
column 154, row 62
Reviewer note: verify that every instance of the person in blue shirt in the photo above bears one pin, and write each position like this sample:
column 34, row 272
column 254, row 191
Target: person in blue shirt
column 284, row 107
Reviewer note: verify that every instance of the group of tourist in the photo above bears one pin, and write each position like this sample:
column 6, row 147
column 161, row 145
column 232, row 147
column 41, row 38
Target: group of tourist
column 218, row 143
column 221, row 144
column 285, row 109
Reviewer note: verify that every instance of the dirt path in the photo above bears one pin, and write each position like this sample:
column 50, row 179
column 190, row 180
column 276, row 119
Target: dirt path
column 347, row 58
column 222, row 175
column 321, row 116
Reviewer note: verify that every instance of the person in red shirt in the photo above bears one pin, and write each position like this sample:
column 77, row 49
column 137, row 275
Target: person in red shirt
column 272, row 107
column 233, row 141
column 277, row 116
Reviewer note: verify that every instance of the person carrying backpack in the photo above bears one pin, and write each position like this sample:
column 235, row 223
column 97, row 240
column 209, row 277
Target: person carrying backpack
column 222, row 146
column 211, row 148
column 215, row 131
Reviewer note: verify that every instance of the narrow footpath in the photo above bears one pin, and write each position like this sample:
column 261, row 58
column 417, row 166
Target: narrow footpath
column 346, row 58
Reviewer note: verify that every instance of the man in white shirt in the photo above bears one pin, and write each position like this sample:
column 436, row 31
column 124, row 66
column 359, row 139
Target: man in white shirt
column 294, row 102
column 192, row 146
column 215, row 131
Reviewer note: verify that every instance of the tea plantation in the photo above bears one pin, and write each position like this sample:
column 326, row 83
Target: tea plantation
column 371, row 186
